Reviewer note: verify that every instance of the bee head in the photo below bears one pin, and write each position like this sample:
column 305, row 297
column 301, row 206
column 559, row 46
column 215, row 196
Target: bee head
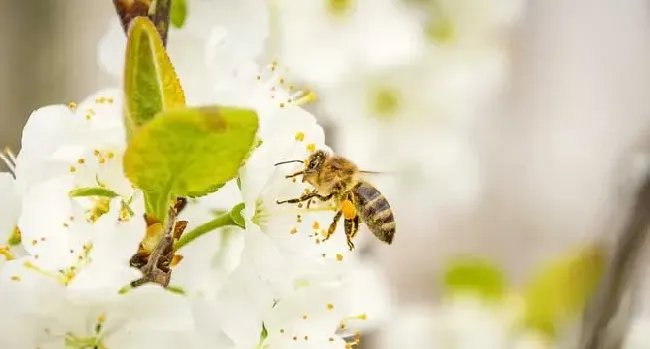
column 315, row 161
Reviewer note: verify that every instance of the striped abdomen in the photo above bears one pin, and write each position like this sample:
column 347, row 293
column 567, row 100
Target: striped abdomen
column 374, row 210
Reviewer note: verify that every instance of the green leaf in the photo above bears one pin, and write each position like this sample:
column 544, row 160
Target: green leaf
column 178, row 13
column 150, row 82
column 235, row 214
column 559, row 291
column 212, row 189
column 474, row 276
column 93, row 191
column 190, row 151
column 157, row 204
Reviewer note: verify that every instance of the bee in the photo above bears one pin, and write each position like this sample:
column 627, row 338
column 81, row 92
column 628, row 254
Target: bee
column 357, row 201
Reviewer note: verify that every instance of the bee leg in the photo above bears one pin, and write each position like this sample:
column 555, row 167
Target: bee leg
column 294, row 174
column 305, row 198
column 349, row 232
column 355, row 227
column 332, row 227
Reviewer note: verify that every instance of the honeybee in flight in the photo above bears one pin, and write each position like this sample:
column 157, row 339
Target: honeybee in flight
column 357, row 201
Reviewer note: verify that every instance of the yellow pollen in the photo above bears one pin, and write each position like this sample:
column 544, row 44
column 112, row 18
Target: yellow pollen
column 110, row 155
column 281, row 81
column 281, row 105
column 72, row 169
column 349, row 212
column 311, row 147
column 15, row 278
column 308, row 98
column 342, row 325
column 323, row 255
column 72, row 105
column 101, row 318
column 81, row 161
column 96, row 152
column 65, row 225
column 331, row 339
column 363, row 316
column 282, row 330
column 304, row 316
column 306, row 337
column 339, row 257
column 34, row 242
column 330, row 306
column 316, row 225
column 87, row 116
column 300, row 136
column 291, row 87
column 295, row 338
column 102, row 160
column 109, row 100
column 300, row 205
column 293, row 230
column 299, row 218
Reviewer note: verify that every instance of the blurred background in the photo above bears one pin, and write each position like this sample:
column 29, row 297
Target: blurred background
column 557, row 151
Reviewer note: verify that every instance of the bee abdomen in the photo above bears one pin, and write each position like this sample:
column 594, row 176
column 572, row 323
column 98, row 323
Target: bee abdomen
column 375, row 211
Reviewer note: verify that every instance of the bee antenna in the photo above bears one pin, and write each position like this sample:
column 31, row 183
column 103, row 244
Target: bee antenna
column 288, row 162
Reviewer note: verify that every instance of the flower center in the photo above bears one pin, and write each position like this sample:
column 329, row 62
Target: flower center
column 385, row 102
column 261, row 215
column 280, row 92
column 339, row 8
column 73, row 341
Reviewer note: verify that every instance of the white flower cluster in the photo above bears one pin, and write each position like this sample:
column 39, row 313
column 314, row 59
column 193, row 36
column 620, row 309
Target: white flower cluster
column 66, row 259
column 393, row 71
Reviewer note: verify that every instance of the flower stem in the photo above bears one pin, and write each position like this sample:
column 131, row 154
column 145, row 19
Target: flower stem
column 222, row 221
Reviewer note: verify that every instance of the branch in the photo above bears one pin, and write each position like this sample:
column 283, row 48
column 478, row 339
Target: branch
column 157, row 267
column 604, row 306
column 156, row 10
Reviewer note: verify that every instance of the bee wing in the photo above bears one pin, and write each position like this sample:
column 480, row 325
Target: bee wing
column 374, row 172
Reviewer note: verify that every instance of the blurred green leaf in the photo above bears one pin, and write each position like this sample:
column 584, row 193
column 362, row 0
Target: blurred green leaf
column 559, row 290
column 178, row 13
column 476, row 276
column 189, row 151
column 150, row 82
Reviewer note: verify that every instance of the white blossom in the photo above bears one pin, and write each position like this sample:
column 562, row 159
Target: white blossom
column 322, row 41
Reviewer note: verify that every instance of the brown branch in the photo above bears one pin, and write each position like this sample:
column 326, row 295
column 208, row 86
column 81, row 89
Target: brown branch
column 156, row 267
column 605, row 305
column 127, row 10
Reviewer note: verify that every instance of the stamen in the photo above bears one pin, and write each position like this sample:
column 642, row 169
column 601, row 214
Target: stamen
column 304, row 99
column 45, row 273
column 8, row 157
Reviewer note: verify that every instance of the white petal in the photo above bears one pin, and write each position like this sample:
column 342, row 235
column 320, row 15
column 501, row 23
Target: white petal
column 9, row 206
column 111, row 49
column 242, row 303
column 47, row 231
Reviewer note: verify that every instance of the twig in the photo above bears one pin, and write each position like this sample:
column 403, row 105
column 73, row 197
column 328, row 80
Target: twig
column 159, row 13
column 604, row 306
column 157, row 267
